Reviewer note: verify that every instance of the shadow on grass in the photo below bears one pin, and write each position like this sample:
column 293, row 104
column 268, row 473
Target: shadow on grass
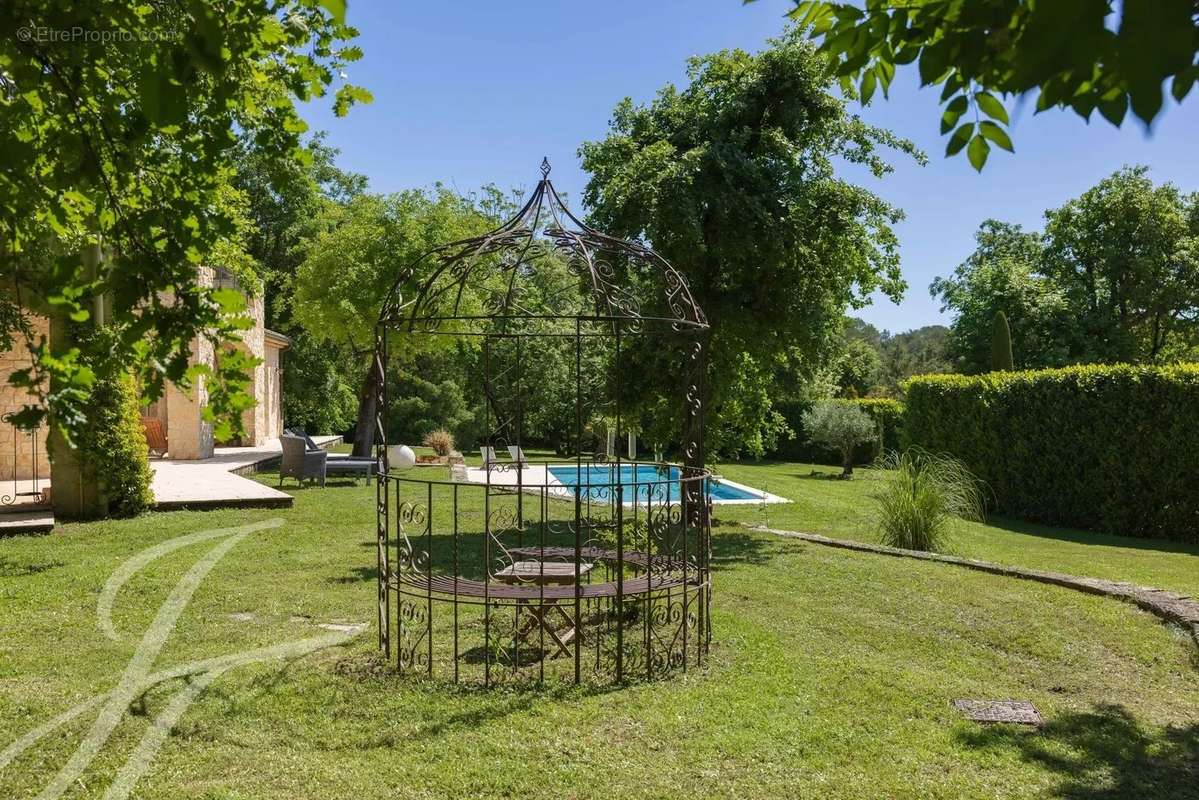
column 731, row 548
column 14, row 569
column 359, row 574
column 1042, row 531
column 1104, row 754
column 290, row 485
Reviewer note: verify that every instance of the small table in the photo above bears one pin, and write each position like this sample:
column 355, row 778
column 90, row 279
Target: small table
column 544, row 573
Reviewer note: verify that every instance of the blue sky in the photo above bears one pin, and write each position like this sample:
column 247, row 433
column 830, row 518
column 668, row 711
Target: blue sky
column 475, row 92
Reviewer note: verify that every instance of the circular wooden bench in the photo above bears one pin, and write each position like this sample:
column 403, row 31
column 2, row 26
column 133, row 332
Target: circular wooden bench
column 475, row 591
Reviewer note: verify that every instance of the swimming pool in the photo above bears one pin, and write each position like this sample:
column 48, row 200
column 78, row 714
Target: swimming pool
column 651, row 482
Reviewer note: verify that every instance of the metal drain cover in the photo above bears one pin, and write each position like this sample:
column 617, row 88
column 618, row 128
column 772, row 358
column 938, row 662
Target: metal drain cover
column 1020, row 712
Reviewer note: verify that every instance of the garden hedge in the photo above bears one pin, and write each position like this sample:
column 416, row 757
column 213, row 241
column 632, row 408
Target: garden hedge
column 887, row 413
column 1106, row 448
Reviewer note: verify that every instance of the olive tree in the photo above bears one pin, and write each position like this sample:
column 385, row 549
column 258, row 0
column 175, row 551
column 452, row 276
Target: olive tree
column 841, row 426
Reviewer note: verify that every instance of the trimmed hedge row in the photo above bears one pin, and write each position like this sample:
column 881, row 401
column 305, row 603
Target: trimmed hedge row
column 1108, row 448
column 886, row 412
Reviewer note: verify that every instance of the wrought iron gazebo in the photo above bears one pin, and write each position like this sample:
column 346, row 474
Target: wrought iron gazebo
column 592, row 566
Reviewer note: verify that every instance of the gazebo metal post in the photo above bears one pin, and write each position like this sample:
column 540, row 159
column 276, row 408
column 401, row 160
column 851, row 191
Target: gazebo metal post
column 684, row 496
column 699, row 415
column 429, row 574
column 648, row 598
column 487, row 465
column 619, row 511
column 382, row 511
column 457, row 572
column 578, row 496
column 520, row 503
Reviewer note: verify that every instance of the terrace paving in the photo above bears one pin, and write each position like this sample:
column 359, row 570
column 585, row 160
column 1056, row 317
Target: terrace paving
column 219, row 482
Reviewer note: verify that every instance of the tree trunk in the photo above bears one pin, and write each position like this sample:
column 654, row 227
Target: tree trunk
column 75, row 490
column 364, row 430
column 847, row 463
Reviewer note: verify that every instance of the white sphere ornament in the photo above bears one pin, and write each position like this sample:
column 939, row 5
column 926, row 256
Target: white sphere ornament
column 400, row 456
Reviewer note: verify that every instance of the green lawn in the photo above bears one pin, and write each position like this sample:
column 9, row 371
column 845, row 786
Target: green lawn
column 843, row 509
column 831, row 673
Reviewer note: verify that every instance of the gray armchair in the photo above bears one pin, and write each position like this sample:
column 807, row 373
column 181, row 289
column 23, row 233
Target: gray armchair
column 301, row 463
column 313, row 446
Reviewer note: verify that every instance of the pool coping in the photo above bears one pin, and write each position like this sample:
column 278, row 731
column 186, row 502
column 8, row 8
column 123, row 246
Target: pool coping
column 536, row 477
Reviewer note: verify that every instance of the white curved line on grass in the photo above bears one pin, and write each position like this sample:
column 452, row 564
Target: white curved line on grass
column 138, row 668
column 217, row 663
column 139, row 760
column 31, row 738
column 136, row 563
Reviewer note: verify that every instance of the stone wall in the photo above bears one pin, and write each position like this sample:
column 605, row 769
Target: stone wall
column 12, row 400
column 188, row 435
column 271, row 394
column 253, row 341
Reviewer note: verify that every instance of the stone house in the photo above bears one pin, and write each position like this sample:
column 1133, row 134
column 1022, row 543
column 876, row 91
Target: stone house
column 23, row 457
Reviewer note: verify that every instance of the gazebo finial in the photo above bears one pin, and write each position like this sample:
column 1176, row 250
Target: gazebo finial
column 545, row 167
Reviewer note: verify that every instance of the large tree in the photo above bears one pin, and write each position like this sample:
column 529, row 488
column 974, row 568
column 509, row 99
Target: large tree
column 733, row 179
column 119, row 147
column 1003, row 275
column 320, row 378
column 1126, row 255
column 1114, row 277
column 352, row 253
column 1083, row 55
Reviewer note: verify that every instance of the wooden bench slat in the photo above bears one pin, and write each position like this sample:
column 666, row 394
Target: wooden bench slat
column 444, row 584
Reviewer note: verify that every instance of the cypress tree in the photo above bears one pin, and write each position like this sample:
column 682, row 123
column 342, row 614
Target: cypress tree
column 1001, row 344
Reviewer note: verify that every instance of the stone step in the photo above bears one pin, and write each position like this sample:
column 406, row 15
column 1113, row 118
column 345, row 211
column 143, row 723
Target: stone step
column 39, row 521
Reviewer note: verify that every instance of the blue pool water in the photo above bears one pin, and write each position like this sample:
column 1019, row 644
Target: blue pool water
column 659, row 484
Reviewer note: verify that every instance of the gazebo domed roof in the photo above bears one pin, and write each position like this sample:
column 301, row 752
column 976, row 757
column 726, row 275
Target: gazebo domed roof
column 543, row 263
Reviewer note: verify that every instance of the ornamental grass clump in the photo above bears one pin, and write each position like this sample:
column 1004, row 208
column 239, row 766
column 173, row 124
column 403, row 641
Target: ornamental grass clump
column 441, row 440
column 919, row 496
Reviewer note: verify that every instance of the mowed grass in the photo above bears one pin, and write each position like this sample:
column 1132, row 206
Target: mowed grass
column 845, row 510
column 831, row 675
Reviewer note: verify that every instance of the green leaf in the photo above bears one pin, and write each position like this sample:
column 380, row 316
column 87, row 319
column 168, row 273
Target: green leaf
column 1156, row 40
column 977, row 152
column 163, row 102
column 1146, row 101
column 272, row 31
column 809, row 12
column 953, row 112
column 230, row 301
column 991, row 106
column 907, row 54
column 996, row 134
column 869, row 82
column 336, row 9
column 952, row 84
column 932, row 64
column 1181, row 86
column 959, row 139
column 83, row 376
column 293, row 124
column 886, row 73
column 1114, row 109
column 348, row 95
